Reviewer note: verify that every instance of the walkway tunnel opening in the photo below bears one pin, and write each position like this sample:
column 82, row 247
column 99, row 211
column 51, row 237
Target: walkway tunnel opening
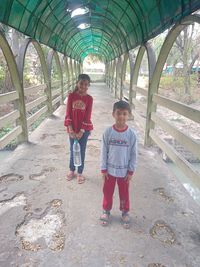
column 94, row 66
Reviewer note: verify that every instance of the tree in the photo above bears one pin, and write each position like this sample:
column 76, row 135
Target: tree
column 14, row 39
column 187, row 44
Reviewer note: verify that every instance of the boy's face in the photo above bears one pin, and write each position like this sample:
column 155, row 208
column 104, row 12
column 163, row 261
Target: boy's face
column 121, row 116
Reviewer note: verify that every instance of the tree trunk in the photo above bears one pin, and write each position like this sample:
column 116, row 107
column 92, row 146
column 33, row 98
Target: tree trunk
column 186, row 74
column 186, row 69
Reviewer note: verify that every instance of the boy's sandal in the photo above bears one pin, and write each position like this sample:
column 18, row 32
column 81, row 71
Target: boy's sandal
column 105, row 218
column 70, row 176
column 80, row 179
column 126, row 220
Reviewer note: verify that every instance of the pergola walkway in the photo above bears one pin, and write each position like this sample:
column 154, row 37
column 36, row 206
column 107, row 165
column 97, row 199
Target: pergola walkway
column 47, row 221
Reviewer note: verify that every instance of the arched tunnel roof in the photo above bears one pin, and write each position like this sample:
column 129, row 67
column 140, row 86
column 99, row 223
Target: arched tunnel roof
column 112, row 27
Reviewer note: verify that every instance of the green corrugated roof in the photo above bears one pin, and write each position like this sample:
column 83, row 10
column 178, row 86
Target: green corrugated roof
column 116, row 26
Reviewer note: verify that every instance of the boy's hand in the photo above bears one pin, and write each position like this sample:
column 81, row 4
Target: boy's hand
column 128, row 177
column 104, row 176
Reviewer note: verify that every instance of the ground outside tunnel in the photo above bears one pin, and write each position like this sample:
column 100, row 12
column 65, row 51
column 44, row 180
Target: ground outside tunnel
column 47, row 221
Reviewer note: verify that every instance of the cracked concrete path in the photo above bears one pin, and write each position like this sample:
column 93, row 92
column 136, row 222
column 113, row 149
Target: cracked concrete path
column 49, row 222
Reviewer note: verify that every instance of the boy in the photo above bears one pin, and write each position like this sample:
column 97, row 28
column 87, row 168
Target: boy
column 118, row 162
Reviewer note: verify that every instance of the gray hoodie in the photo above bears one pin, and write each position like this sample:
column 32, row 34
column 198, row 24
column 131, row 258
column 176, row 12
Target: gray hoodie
column 119, row 152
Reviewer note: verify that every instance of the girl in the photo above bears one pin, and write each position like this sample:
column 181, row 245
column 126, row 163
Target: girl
column 78, row 122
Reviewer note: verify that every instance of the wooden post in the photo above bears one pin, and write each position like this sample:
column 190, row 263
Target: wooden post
column 113, row 76
column 67, row 70
column 118, row 75
column 109, row 75
column 123, row 74
column 71, row 72
column 152, row 64
column 50, row 56
column 132, row 63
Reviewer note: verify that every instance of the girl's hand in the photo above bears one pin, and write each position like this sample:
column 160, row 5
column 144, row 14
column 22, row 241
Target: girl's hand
column 72, row 135
column 71, row 132
column 79, row 135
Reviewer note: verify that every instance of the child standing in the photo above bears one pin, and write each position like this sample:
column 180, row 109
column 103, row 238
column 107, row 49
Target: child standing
column 118, row 162
column 78, row 122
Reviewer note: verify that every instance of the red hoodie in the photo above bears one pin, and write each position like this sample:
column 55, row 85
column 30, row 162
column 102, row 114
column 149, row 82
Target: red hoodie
column 78, row 113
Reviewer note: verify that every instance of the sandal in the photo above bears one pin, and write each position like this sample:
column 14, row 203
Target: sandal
column 105, row 218
column 125, row 220
column 70, row 176
column 80, row 179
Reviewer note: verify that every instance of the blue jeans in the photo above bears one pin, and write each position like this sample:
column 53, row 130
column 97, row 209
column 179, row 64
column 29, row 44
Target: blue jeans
column 83, row 143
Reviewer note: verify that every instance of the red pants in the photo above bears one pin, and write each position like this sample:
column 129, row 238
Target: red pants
column 108, row 190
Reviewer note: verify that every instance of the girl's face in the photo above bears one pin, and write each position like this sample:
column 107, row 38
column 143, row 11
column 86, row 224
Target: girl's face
column 83, row 86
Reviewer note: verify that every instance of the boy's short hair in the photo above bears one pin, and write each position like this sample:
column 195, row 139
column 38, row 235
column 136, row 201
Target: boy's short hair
column 122, row 105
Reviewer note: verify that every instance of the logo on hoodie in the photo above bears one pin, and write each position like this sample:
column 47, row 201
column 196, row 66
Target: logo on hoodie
column 117, row 142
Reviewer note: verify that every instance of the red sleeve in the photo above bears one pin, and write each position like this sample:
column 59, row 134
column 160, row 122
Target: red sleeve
column 87, row 124
column 68, row 117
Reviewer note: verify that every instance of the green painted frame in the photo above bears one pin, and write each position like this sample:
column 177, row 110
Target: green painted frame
column 16, row 81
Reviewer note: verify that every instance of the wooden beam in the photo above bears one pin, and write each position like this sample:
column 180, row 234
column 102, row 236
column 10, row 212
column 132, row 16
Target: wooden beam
column 36, row 116
column 178, row 107
column 56, row 83
column 6, row 139
column 56, row 100
column 7, row 97
column 177, row 158
column 35, row 103
column 9, row 118
column 188, row 142
column 55, row 92
column 34, row 89
column 142, row 91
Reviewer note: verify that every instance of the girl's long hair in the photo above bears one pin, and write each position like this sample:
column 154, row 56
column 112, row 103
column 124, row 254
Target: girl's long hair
column 76, row 88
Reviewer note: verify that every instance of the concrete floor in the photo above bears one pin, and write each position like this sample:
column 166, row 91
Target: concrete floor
column 49, row 222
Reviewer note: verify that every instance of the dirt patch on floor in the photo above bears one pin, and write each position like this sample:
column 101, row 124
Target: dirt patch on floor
column 11, row 177
column 163, row 232
column 44, row 230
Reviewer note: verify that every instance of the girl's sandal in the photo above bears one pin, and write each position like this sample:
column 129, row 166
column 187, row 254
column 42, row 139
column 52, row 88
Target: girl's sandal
column 105, row 218
column 126, row 220
column 80, row 179
column 70, row 176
